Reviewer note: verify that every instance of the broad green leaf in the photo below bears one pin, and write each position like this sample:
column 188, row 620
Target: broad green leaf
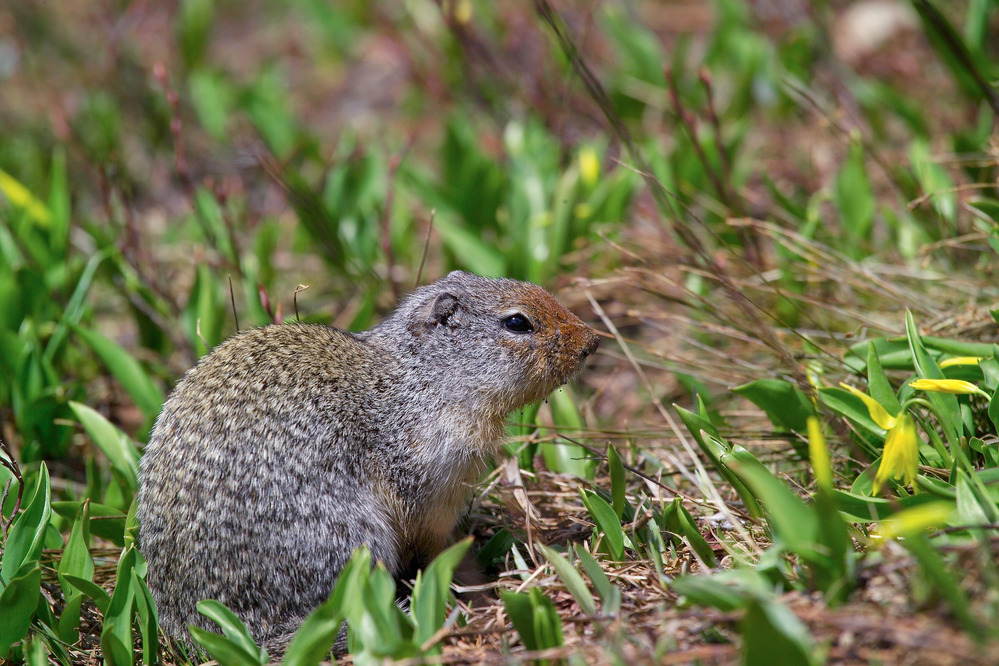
column 76, row 306
column 564, row 457
column 877, row 383
column 99, row 596
column 946, row 404
column 315, row 638
column 473, row 252
column 608, row 524
column 148, row 619
column 792, row 520
column 534, row 617
column 866, row 509
column 115, row 444
column 786, row 405
column 610, row 594
column 846, row 404
column 106, row 522
column 710, row 441
column 76, row 559
column 18, row 602
column 571, row 579
column 225, row 650
column 116, row 636
column 232, row 628
column 772, row 634
column 134, row 379
column 679, row 521
column 26, row 537
column 432, row 591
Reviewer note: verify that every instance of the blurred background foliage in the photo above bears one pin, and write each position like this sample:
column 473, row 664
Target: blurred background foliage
column 170, row 169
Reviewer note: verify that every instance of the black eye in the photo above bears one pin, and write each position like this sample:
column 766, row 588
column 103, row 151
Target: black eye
column 518, row 323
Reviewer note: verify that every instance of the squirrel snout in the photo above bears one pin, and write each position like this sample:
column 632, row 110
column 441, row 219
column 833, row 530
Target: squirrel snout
column 591, row 345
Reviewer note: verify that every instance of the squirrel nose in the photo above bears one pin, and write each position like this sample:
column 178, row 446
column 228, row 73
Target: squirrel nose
column 591, row 345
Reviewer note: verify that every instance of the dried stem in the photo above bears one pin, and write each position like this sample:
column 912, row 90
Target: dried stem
column 8, row 461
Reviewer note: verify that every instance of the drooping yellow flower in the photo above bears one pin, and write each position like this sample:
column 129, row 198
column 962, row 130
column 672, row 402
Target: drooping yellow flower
column 901, row 453
column 819, row 454
column 957, row 386
column 878, row 413
column 960, row 360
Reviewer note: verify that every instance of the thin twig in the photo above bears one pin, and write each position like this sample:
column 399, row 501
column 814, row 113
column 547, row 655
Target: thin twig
column 232, row 299
column 8, row 461
column 426, row 247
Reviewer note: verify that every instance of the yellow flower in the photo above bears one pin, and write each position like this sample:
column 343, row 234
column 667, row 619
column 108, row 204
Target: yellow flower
column 589, row 166
column 819, row 454
column 878, row 413
column 901, row 453
column 946, row 386
column 960, row 360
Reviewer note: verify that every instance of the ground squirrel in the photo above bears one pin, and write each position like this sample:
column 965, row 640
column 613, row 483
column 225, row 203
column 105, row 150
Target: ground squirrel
column 290, row 445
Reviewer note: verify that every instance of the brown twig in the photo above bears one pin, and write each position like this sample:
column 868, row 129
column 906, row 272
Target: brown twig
column 8, row 461
column 294, row 297
column 426, row 247
column 232, row 299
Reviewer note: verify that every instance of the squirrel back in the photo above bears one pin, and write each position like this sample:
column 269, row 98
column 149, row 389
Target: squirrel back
column 289, row 446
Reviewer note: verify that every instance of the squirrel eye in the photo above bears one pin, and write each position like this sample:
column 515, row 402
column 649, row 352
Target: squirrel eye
column 518, row 323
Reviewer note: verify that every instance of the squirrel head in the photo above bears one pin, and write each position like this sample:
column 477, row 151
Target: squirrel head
column 497, row 343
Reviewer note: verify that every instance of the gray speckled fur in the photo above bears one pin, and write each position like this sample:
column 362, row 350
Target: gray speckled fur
column 290, row 445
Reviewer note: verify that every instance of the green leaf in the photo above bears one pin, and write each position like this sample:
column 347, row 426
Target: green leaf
column 76, row 306
column 877, row 382
column 148, row 618
column 946, row 404
column 564, row 457
column 785, row 404
column 846, row 404
column 116, row 445
column 433, row 589
column 571, row 579
column 618, row 486
column 854, row 197
column 133, row 378
column 106, row 522
column 866, row 509
column 772, row 634
column 76, row 559
column 994, row 408
column 233, row 629
column 18, row 602
column 710, row 441
column 679, row 521
column 116, row 636
column 315, row 638
column 793, row 521
column 473, row 251
column 99, row 596
column 706, row 590
column 534, row 617
column 27, row 534
column 224, row 650
column 609, row 593
column 607, row 523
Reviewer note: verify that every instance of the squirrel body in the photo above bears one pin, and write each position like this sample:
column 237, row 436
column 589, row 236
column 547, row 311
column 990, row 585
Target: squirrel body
column 288, row 446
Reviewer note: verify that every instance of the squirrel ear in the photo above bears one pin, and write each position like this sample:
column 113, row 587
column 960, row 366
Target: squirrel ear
column 443, row 307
